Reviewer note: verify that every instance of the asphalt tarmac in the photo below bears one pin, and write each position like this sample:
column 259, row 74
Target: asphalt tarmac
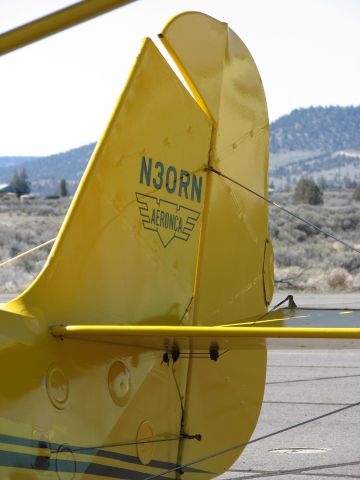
column 302, row 384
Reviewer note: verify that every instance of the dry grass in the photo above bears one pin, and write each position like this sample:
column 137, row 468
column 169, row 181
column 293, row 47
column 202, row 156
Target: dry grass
column 304, row 259
column 307, row 260
column 25, row 225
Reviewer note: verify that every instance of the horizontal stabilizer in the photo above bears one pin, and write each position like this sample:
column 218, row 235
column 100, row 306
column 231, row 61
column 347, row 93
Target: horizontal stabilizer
column 284, row 328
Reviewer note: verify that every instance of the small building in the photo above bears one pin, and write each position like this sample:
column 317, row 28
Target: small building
column 27, row 196
column 7, row 188
column 8, row 192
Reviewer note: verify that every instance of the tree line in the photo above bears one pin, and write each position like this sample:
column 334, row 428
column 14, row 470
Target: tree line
column 308, row 191
column 22, row 185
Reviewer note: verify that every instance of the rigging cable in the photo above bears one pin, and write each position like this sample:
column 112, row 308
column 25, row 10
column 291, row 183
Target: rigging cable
column 23, row 254
column 255, row 440
column 324, row 232
column 179, row 395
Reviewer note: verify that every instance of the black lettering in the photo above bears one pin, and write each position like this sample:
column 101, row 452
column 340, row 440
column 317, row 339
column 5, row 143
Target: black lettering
column 169, row 181
column 196, row 188
column 145, row 171
column 162, row 215
column 160, row 167
column 184, row 183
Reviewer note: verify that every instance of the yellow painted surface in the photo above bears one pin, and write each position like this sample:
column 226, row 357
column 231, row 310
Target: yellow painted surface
column 67, row 17
column 114, row 261
column 223, row 400
column 208, row 332
column 105, row 265
column 223, row 73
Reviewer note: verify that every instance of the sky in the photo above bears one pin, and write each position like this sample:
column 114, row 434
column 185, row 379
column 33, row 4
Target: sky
column 58, row 93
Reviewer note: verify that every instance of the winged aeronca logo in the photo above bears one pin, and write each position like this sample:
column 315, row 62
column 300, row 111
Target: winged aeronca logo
column 167, row 219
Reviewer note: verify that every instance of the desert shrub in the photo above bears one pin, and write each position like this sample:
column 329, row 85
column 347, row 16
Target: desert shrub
column 13, row 279
column 47, row 211
column 348, row 224
column 356, row 281
column 356, row 194
column 306, row 229
column 274, row 231
column 350, row 261
column 316, row 255
column 339, row 278
column 312, row 214
column 306, row 191
column 24, row 226
column 286, row 237
column 299, row 235
column 288, row 257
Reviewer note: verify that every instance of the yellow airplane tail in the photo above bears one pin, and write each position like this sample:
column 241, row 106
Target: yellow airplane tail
column 155, row 237
column 160, row 255
column 152, row 230
column 127, row 251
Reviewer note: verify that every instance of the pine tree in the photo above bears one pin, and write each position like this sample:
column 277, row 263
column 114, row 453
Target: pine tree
column 21, row 182
column 306, row 191
column 63, row 188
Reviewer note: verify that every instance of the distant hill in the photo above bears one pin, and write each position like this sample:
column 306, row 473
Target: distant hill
column 14, row 161
column 317, row 128
column 321, row 142
column 45, row 173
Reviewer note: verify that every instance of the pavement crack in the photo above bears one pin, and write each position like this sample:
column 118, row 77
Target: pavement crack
column 306, row 403
column 307, row 471
column 312, row 379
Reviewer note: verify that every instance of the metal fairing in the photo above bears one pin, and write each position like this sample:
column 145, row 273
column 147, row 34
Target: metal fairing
column 152, row 238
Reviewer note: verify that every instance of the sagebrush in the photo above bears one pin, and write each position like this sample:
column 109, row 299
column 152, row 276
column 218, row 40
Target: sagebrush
column 304, row 258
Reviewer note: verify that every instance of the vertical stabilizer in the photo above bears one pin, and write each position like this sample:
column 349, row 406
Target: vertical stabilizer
column 128, row 248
